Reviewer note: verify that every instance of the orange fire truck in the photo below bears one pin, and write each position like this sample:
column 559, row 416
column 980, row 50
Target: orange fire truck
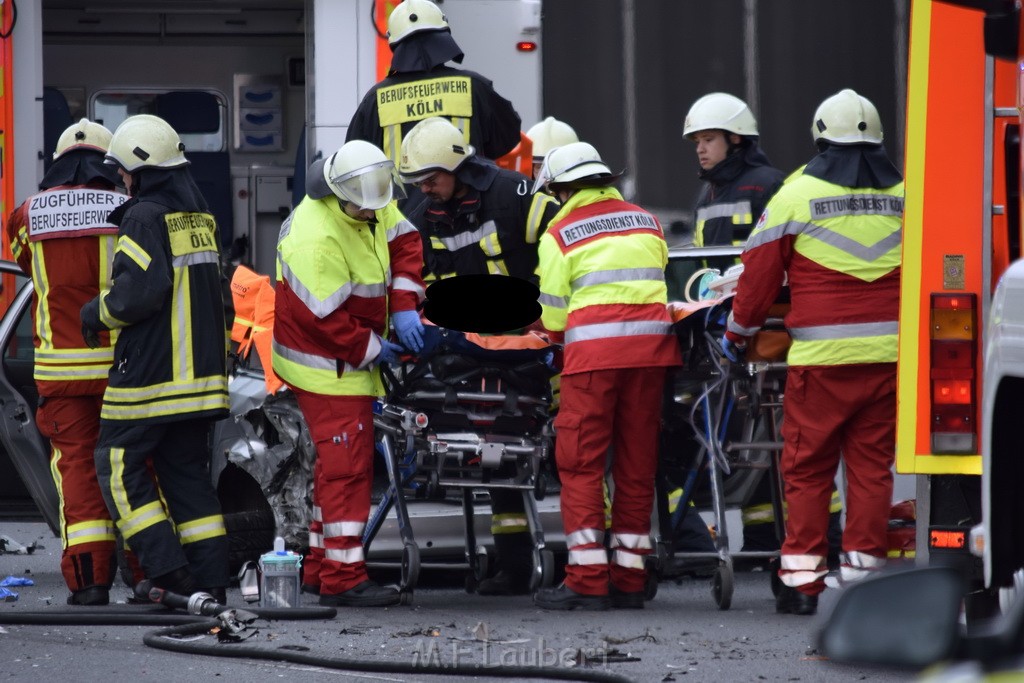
column 962, row 230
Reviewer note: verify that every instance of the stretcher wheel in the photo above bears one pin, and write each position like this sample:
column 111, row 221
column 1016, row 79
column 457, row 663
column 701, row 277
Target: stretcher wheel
column 410, row 566
column 405, row 597
column 776, row 581
column 722, row 586
column 483, row 564
column 547, row 568
column 650, row 586
column 540, row 485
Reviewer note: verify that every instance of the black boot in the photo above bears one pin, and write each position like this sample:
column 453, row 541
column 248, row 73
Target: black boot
column 179, row 581
column 564, row 598
column 626, row 599
column 506, row 582
column 791, row 601
column 93, row 595
column 366, row 594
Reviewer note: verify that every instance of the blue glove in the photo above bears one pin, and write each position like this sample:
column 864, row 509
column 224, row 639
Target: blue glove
column 409, row 330
column 732, row 351
column 389, row 352
column 549, row 360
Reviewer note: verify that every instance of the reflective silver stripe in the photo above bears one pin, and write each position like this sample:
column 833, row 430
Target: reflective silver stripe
column 862, row 204
column 592, row 556
column 466, row 239
column 320, row 308
column 90, row 531
column 624, row 558
column 508, row 520
column 604, row 277
column 797, row 562
column 552, row 301
column 209, row 527
column 308, row 360
column 533, row 221
column 74, row 356
column 195, row 259
column 832, row 238
column 583, row 537
column 347, row 556
column 336, row 529
column 857, row 559
column 632, row 541
column 849, row 574
column 400, row 228
column 736, row 328
column 316, row 540
column 404, row 284
column 318, row 514
column 606, row 330
column 850, row 330
column 725, row 210
column 794, row 579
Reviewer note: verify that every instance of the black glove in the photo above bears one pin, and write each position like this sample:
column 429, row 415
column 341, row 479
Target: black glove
column 91, row 337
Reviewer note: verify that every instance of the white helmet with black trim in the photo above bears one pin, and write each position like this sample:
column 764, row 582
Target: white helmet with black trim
column 145, row 141
column 84, row 135
column 434, row 144
column 573, row 162
column 847, row 118
column 414, row 16
column 548, row 134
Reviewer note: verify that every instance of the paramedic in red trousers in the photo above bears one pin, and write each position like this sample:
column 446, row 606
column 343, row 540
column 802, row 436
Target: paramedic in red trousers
column 420, row 84
column 348, row 262
column 478, row 219
column 62, row 240
column 602, row 282
column 835, row 230
column 168, row 383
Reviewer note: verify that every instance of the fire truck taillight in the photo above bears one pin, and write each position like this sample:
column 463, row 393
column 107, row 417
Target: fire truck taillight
column 526, row 46
column 953, row 373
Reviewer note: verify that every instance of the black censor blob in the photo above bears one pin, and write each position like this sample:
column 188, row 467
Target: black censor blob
column 482, row 303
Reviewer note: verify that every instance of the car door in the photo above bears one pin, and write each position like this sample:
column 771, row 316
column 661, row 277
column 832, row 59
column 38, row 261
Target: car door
column 25, row 451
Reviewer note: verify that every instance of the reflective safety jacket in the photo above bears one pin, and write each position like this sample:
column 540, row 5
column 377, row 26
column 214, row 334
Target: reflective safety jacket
column 734, row 195
column 492, row 230
column 841, row 249
column 62, row 240
column 602, row 281
column 338, row 278
column 165, row 299
column 391, row 108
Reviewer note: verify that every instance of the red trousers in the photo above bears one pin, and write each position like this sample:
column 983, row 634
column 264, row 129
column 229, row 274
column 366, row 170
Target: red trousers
column 342, row 431
column 620, row 409
column 72, row 424
column 846, row 411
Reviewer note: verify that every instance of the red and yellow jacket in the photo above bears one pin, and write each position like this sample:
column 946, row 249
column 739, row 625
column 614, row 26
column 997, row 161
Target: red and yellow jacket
column 62, row 240
column 602, row 281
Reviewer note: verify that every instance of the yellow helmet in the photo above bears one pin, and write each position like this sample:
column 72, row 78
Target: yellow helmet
column 548, row 134
column 85, row 134
column 846, row 118
column 719, row 111
column 145, row 141
column 433, row 144
column 413, row 16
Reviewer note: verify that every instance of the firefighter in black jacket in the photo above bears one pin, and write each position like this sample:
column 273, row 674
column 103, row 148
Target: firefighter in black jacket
column 168, row 381
column 478, row 219
column 419, row 85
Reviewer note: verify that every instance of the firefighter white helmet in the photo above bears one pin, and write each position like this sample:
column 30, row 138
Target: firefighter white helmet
column 433, row 144
column 361, row 174
column 548, row 134
column 571, row 162
column 847, row 118
column 719, row 111
column 145, row 141
column 413, row 16
column 85, row 134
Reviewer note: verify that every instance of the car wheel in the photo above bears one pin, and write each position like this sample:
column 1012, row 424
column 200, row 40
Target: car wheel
column 248, row 517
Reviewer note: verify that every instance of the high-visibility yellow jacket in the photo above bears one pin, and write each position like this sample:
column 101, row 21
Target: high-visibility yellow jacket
column 602, row 281
column 841, row 249
column 338, row 278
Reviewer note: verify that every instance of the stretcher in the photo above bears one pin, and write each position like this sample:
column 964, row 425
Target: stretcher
column 721, row 436
column 468, row 415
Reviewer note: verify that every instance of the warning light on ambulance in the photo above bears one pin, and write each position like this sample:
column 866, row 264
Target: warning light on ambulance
column 526, row 46
column 953, row 375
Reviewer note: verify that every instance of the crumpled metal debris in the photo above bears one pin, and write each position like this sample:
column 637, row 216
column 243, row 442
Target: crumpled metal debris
column 10, row 546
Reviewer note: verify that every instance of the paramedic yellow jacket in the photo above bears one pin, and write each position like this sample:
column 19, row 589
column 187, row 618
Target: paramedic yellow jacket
column 602, row 281
column 338, row 278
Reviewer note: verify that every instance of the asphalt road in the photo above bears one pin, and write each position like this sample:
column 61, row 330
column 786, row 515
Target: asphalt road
column 680, row 636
